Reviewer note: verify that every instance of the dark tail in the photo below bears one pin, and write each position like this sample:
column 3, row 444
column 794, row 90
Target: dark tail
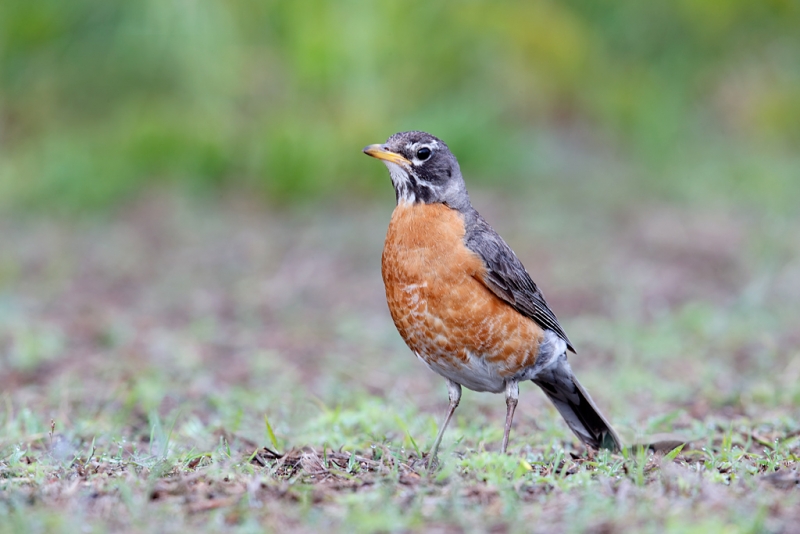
column 576, row 406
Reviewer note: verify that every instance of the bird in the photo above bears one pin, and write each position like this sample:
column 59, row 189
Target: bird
column 462, row 300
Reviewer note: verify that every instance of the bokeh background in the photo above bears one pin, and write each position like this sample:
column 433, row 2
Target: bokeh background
column 693, row 99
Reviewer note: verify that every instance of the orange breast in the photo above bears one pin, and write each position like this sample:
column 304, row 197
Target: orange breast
column 442, row 309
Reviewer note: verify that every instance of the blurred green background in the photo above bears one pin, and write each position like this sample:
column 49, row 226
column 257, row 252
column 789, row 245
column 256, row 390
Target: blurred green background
column 692, row 99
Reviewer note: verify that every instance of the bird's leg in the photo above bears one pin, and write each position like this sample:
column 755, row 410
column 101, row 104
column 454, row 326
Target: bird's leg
column 454, row 392
column 512, row 397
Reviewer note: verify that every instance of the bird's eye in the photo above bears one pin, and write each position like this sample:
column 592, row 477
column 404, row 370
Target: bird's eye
column 423, row 153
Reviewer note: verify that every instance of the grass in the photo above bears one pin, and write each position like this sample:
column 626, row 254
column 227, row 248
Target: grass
column 179, row 366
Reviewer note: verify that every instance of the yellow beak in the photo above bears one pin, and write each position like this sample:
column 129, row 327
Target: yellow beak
column 378, row 151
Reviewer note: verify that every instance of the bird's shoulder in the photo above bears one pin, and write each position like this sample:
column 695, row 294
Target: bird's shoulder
column 506, row 276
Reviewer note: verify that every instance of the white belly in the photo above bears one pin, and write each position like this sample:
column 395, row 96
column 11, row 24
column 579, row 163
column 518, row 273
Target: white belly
column 477, row 376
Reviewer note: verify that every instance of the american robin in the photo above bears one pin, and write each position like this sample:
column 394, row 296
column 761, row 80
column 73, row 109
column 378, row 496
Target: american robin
column 463, row 302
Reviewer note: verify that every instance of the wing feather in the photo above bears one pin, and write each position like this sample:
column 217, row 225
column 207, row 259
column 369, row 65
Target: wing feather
column 507, row 278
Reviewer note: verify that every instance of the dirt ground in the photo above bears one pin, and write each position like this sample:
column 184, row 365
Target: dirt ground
column 187, row 364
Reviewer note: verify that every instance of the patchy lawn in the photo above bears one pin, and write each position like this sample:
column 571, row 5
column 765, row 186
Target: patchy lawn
column 184, row 366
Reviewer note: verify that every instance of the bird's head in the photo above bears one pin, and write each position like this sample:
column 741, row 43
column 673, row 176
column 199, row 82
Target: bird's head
column 422, row 168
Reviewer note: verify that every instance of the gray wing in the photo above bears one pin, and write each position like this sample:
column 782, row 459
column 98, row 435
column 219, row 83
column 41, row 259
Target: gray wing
column 507, row 278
